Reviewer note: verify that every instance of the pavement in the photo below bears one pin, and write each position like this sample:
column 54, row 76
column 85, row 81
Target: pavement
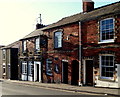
column 83, row 89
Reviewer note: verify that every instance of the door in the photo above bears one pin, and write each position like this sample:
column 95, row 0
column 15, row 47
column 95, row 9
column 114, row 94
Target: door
column 89, row 72
column 37, row 71
column 75, row 72
column 65, row 72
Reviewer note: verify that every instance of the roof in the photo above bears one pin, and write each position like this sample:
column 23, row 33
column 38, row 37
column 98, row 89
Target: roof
column 96, row 13
column 33, row 34
column 12, row 45
column 113, row 8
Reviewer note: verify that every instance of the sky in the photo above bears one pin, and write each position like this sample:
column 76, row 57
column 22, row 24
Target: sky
column 19, row 17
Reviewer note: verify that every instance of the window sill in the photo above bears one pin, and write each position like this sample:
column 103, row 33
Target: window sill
column 106, row 41
column 107, row 79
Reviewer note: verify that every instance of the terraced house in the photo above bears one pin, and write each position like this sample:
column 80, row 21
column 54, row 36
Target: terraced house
column 31, row 54
column 82, row 49
column 10, row 61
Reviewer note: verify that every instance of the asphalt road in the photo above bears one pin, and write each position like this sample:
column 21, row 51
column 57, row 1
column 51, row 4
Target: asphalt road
column 10, row 89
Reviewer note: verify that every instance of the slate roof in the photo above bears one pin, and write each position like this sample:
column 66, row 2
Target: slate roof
column 12, row 45
column 113, row 8
column 33, row 34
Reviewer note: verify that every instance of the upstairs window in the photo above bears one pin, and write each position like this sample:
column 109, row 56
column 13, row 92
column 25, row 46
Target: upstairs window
column 58, row 40
column 107, row 30
column 24, row 45
column 107, row 66
column 37, row 44
column 4, row 54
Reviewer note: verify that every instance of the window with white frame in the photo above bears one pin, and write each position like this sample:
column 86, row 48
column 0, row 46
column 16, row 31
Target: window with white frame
column 37, row 44
column 107, row 66
column 107, row 30
column 58, row 40
column 30, row 67
column 49, row 67
column 24, row 67
column 24, row 45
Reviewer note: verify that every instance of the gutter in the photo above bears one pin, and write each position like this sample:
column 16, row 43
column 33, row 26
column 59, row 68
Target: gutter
column 80, row 48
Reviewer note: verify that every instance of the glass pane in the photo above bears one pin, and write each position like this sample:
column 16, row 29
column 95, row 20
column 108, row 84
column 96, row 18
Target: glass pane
column 111, row 20
column 111, row 74
column 107, row 74
column 103, row 22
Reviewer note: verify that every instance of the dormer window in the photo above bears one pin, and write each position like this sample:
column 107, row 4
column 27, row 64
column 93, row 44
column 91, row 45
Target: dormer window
column 58, row 40
column 37, row 44
column 107, row 30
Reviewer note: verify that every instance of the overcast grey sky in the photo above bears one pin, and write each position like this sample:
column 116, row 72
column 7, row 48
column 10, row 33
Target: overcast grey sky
column 18, row 17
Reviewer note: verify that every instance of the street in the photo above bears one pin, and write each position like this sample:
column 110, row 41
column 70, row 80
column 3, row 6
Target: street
column 13, row 89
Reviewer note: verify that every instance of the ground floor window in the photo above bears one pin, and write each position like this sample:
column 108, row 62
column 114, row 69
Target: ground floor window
column 107, row 66
column 49, row 67
column 24, row 67
column 30, row 67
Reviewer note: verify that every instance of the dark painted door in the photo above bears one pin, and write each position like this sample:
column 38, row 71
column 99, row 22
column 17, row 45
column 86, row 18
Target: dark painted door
column 89, row 72
column 37, row 72
column 75, row 72
column 65, row 72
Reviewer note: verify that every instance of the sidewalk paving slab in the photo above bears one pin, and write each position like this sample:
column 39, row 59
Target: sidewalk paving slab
column 85, row 89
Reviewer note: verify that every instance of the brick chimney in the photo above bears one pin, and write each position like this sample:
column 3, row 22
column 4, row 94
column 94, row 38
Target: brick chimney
column 88, row 5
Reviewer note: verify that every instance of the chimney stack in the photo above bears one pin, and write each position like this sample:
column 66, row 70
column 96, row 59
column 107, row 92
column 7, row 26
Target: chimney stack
column 39, row 25
column 88, row 5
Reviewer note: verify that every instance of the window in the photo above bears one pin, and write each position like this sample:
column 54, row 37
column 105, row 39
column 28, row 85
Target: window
column 24, row 67
column 4, row 54
column 107, row 66
column 24, row 45
column 49, row 67
column 30, row 67
column 58, row 40
column 107, row 30
column 37, row 44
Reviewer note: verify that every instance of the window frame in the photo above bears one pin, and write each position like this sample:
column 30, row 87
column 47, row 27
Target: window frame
column 100, row 25
column 100, row 62
column 24, row 45
column 30, row 68
column 59, row 43
column 24, row 67
column 37, row 44
column 49, row 67
column 4, row 54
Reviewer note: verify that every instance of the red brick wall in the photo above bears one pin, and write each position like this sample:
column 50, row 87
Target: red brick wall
column 67, row 52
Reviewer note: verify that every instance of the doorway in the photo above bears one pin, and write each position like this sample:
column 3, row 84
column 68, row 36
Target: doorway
column 75, row 72
column 89, row 72
column 65, row 72
column 37, row 71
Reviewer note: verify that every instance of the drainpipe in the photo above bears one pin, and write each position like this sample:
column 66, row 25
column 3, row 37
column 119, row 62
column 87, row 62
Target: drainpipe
column 80, row 60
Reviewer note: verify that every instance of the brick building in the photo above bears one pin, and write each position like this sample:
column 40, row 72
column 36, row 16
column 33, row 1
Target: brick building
column 10, row 61
column 82, row 49
column 31, row 55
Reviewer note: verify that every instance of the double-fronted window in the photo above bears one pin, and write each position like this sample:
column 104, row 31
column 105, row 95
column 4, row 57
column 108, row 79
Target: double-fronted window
column 107, row 66
column 58, row 40
column 107, row 30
